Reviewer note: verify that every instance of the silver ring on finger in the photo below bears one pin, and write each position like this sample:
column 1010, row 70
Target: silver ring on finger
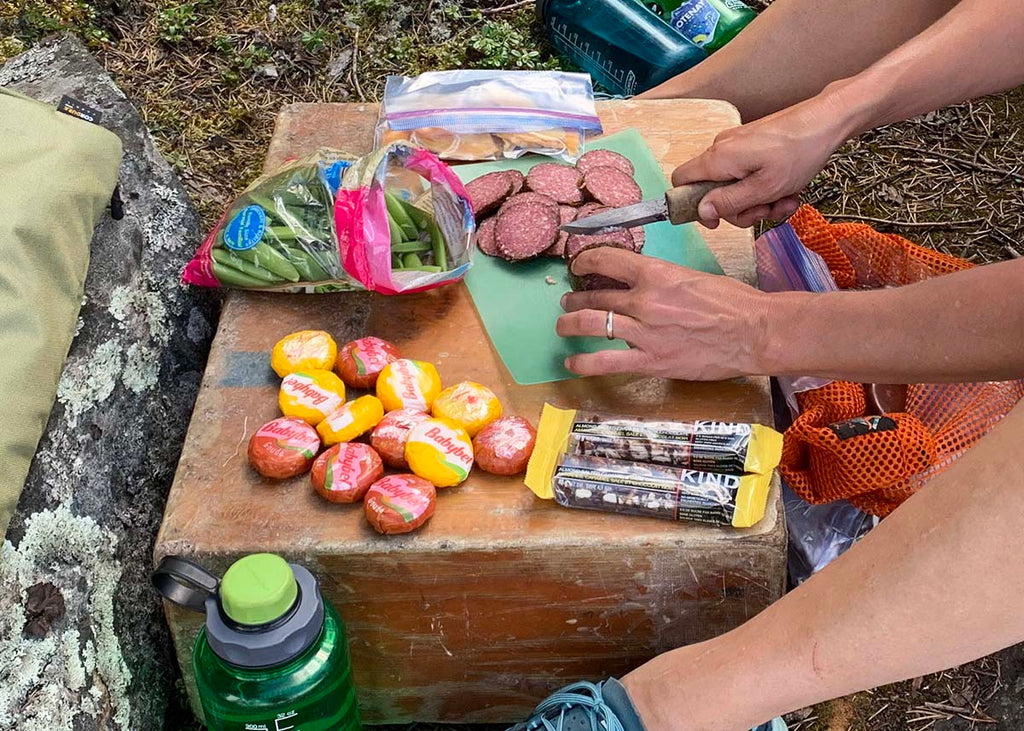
column 609, row 325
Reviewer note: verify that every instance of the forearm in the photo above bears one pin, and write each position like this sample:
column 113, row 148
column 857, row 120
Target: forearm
column 977, row 48
column 931, row 587
column 967, row 326
column 792, row 50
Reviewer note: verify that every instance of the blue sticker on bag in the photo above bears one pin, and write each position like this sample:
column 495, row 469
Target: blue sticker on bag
column 696, row 20
column 332, row 174
column 246, row 229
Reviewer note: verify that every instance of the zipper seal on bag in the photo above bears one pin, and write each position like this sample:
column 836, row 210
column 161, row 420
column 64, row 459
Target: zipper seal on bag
column 493, row 119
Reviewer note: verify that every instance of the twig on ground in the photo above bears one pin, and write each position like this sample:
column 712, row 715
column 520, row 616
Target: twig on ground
column 910, row 224
column 506, row 8
column 958, row 160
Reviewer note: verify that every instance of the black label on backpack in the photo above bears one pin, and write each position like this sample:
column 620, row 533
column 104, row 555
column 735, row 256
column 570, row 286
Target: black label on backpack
column 75, row 108
column 862, row 425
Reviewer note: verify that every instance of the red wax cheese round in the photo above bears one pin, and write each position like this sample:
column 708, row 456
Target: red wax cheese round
column 400, row 503
column 283, row 448
column 345, row 472
column 390, row 435
column 361, row 361
column 504, row 446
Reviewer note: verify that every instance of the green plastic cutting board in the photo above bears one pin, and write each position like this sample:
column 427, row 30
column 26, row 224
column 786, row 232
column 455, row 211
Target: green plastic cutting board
column 517, row 304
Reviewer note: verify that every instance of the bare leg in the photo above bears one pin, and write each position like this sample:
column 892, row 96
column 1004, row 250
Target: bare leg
column 796, row 47
column 936, row 584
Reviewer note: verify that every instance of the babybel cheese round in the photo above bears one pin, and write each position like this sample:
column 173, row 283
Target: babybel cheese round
column 351, row 420
column 284, row 447
column 399, row 503
column 390, row 435
column 408, row 384
column 361, row 361
column 311, row 395
column 304, row 350
column 469, row 404
column 504, row 446
column 439, row 450
column 345, row 472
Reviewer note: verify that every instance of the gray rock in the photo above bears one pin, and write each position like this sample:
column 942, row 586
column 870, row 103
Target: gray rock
column 95, row 495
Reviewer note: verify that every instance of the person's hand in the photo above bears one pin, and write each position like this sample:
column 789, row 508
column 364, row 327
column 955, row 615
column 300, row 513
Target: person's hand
column 772, row 159
column 679, row 323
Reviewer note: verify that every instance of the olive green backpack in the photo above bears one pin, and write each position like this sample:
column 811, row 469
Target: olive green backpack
column 57, row 174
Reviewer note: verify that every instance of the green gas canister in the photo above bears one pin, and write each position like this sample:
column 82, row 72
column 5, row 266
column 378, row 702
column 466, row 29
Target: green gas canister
column 272, row 655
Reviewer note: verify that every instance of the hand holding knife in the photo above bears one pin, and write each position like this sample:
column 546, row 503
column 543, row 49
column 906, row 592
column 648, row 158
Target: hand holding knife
column 678, row 205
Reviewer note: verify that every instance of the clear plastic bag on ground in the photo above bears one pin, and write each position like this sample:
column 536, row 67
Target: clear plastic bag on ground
column 490, row 115
column 395, row 221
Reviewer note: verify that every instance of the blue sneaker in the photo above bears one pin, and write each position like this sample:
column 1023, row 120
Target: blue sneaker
column 589, row 707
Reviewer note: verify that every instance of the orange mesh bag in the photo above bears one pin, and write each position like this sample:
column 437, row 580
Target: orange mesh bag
column 834, row 450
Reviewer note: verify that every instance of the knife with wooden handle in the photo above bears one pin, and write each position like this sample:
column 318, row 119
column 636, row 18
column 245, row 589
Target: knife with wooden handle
column 678, row 205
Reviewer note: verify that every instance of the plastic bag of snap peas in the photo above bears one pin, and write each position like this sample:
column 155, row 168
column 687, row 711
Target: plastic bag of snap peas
column 395, row 221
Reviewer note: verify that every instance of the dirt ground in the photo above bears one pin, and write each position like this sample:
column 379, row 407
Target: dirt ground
column 209, row 78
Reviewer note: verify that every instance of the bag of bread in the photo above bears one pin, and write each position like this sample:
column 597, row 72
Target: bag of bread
column 490, row 115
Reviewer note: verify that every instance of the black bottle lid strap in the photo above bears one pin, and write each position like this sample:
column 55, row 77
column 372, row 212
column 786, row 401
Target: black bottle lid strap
column 185, row 583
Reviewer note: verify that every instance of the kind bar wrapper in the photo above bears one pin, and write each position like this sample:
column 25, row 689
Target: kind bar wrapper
column 707, row 446
column 657, row 491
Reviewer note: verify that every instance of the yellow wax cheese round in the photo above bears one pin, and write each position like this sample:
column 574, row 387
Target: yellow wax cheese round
column 441, row 451
column 408, row 384
column 311, row 395
column 303, row 351
column 469, row 404
column 351, row 420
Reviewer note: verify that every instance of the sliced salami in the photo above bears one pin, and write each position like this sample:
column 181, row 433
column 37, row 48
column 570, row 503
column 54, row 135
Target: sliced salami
column 485, row 237
column 604, row 158
column 518, row 180
column 611, row 186
column 639, row 238
column 525, row 230
column 578, row 243
column 489, row 191
column 589, row 209
column 560, row 182
column 533, row 198
column 567, row 215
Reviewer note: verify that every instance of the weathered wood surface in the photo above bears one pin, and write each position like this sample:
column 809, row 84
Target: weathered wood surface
column 501, row 597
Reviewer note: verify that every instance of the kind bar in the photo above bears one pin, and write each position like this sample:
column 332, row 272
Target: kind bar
column 632, row 488
column 707, row 446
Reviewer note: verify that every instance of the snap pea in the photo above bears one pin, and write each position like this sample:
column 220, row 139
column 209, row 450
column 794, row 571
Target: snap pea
column 419, row 217
column 397, row 235
column 397, row 211
column 231, row 276
column 410, row 247
column 431, row 269
column 411, row 261
column 309, row 268
column 440, row 257
column 222, row 256
column 396, row 261
column 268, row 258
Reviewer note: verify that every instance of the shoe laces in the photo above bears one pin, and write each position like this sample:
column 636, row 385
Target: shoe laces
column 550, row 714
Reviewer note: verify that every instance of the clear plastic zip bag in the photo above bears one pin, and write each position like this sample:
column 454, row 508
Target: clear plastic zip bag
column 490, row 115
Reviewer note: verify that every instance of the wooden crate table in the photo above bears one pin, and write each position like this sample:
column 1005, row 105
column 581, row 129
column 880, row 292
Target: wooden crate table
column 501, row 597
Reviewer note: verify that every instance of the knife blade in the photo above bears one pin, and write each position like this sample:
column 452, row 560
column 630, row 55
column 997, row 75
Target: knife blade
column 678, row 205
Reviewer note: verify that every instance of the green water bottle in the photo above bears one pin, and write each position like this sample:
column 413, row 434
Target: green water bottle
column 273, row 654
column 709, row 24
column 623, row 46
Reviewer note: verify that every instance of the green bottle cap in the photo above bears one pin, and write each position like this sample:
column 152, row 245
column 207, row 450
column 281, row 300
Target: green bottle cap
column 258, row 589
